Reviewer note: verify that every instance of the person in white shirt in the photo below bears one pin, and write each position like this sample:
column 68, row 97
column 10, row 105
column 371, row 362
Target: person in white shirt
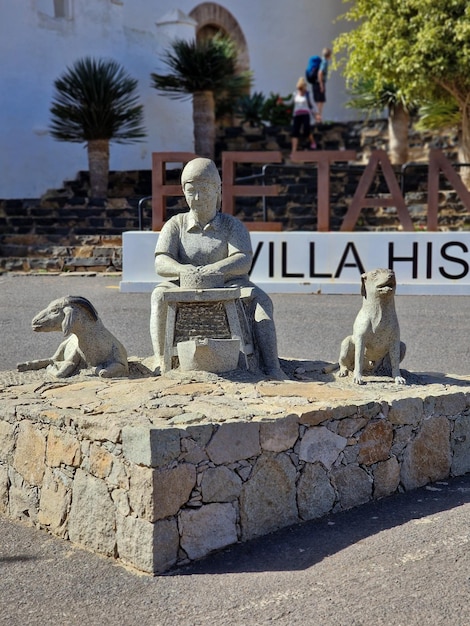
column 304, row 108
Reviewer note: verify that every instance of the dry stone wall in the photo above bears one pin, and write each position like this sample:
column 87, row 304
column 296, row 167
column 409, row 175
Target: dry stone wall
column 157, row 472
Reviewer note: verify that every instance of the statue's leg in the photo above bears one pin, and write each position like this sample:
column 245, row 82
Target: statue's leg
column 265, row 335
column 402, row 350
column 346, row 356
column 158, row 313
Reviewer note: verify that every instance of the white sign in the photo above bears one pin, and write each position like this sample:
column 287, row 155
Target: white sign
column 312, row 262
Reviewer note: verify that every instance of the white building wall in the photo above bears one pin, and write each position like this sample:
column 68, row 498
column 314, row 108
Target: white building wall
column 36, row 48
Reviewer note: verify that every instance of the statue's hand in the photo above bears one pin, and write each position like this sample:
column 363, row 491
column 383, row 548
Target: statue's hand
column 187, row 269
column 206, row 269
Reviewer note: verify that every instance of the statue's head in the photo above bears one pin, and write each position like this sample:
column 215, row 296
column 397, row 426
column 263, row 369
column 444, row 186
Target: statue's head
column 200, row 169
column 203, row 173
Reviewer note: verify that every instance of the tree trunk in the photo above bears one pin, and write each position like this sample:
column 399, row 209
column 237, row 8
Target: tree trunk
column 464, row 147
column 204, row 123
column 98, row 166
column 398, row 124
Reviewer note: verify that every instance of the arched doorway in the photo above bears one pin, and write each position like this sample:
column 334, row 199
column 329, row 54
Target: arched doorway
column 213, row 18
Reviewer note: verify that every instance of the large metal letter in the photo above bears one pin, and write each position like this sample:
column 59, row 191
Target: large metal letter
column 437, row 162
column 324, row 158
column 160, row 190
column 360, row 200
column 230, row 190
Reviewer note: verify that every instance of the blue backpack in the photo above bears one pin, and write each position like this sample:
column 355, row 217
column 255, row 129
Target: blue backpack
column 311, row 73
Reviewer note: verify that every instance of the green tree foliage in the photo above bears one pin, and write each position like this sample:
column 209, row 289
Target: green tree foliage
column 277, row 110
column 422, row 47
column 418, row 45
column 95, row 102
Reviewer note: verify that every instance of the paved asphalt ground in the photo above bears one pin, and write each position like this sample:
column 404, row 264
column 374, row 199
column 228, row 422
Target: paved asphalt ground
column 403, row 560
column 434, row 328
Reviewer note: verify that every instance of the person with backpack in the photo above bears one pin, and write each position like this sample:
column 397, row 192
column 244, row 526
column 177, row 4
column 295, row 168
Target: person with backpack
column 317, row 75
column 302, row 111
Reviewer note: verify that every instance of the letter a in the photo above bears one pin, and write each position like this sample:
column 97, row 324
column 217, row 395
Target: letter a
column 360, row 200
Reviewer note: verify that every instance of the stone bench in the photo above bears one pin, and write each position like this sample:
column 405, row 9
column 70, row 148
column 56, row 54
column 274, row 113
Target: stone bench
column 159, row 471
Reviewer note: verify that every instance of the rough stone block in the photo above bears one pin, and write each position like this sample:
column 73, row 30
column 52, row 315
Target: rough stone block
column 150, row 446
column 4, row 484
column 23, row 504
column 406, row 411
column 220, row 484
column 221, row 519
column 353, row 484
column 118, row 476
column 98, row 429
column 101, row 461
column 152, row 548
column 401, row 438
column 91, row 501
column 386, row 477
column 201, row 433
column 321, row 445
column 280, row 435
column 55, row 501
column 347, row 427
column 461, row 446
column 375, row 443
column 268, row 499
column 171, row 489
column 315, row 494
column 192, row 452
column 7, row 440
column 30, row 453
column 450, row 404
column 120, row 498
column 62, row 448
column 234, row 441
column 141, row 491
column 427, row 458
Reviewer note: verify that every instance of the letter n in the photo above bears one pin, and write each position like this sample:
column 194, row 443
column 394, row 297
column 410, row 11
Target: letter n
column 438, row 162
column 361, row 200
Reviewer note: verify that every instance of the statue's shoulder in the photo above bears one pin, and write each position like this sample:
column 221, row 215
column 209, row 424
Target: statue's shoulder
column 175, row 222
column 232, row 222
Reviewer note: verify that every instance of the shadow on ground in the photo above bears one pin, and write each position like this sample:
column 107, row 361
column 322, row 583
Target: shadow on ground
column 303, row 545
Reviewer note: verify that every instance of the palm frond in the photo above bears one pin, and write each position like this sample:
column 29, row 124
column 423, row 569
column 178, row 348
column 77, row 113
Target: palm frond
column 207, row 65
column 368, row 96
column 438, row 114
column 96, row 99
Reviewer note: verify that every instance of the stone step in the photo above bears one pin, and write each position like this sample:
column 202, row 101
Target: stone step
column 26, row 253
column 61, row 264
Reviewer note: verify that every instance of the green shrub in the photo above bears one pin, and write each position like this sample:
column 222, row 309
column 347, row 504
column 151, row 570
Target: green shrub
column 277, row 110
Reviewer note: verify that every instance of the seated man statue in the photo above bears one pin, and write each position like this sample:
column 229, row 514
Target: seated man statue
column 207, row 241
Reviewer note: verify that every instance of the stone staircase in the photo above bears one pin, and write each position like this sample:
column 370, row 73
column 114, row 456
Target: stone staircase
column 65, row 231
column 56, row 253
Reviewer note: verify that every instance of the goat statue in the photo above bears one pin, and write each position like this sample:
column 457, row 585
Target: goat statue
column 88, row 344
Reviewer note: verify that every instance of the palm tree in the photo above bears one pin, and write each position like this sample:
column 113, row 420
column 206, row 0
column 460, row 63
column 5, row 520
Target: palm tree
column 95, row 103
column 444, row 113
column 368, row 97
column 205, row 70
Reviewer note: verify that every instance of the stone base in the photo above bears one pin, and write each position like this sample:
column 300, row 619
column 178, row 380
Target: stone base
column 159, row 471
